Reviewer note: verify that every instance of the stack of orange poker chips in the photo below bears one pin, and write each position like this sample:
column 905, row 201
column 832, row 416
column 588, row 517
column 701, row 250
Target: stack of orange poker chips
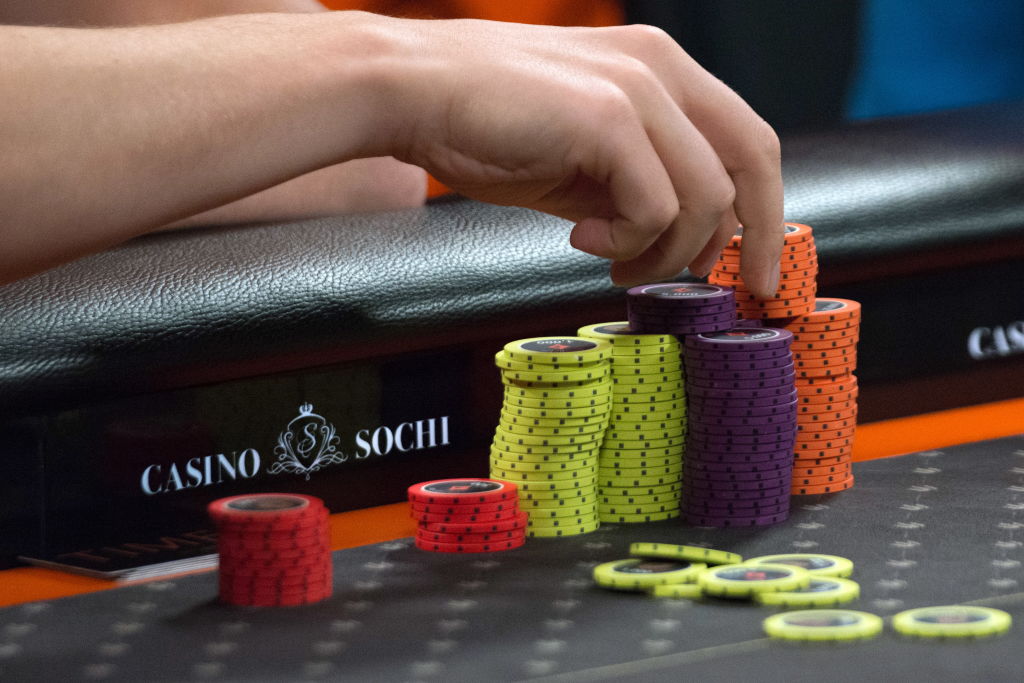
column 797, row 277
column 467, row 515
column 274, row 549
column 825, row 356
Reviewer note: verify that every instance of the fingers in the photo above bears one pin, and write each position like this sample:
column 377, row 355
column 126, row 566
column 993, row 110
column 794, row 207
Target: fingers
column 759, row 209
column 683, row 212
column 641, row 191
column 749, row 150
column 705, row 261
column 746, row 146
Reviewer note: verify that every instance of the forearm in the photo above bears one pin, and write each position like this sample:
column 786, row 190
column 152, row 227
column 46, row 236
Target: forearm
column 106, row 134
column 137, row 12
column 378, row 184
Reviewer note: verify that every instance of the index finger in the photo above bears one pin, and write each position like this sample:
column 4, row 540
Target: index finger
column 746, row 145
column 749, row 150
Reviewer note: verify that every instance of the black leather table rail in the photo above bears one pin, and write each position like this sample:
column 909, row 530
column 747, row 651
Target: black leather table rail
column 205, row 306
column 932, row 528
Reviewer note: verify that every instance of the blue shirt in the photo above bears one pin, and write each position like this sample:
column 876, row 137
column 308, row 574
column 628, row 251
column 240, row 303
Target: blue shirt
column 922, row 55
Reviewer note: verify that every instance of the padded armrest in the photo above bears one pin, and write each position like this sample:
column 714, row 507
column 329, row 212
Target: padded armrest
column 186, row 308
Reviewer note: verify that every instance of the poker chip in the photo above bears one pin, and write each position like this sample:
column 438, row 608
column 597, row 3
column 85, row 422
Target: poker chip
column 640, row 508
column 581, row 511
column 472, row 509
column 585, row 527
column 821, row 489
column 555, row 404
column 584, row 390
column 486, row 537
column 486, row 547
column 625, row 341
column 274, row 549
column 520, row 462
column 795, row 234
column 519, row 521
column 639, row 574
column 689, row 553
column 823, row 625
column 686, row 591
column 820, row 592
column 480, row 518
column 744, row 580
column 622, row 518
column 558, row 350
column 557, row 374
column 952, row 621
column 514, row 425
column 462, row 492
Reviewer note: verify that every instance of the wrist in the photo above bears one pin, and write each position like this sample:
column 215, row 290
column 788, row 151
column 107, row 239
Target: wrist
column 368, row 65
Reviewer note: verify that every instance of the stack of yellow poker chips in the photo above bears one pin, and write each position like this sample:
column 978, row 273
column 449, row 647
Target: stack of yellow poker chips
column 823, row 625
column 641, row 458
column 553, row 420
column 952, row 621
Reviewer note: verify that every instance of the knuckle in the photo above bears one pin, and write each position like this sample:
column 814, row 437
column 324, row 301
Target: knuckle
column 662, row 213
column 719, row 198
column 633, row 72
column 648, row 37
column 611, row 103
column 766, row 142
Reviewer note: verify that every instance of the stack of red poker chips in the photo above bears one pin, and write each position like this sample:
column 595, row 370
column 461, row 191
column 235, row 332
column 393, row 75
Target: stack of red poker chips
column 798, row 284
column 825, row 354
column 274, row 549
column 467, row 515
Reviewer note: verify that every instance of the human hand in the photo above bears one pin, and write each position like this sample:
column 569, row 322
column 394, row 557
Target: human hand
column 616, row 129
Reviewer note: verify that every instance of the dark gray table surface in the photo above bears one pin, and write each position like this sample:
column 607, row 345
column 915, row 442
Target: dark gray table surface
column 932, row 528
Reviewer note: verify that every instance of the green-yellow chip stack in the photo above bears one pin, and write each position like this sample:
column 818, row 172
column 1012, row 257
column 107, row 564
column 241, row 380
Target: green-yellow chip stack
column 641, row 459
column 553, row 420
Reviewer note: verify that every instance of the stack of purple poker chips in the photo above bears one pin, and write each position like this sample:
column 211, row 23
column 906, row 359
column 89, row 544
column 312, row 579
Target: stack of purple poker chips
column 741, row 427
column 681, row 308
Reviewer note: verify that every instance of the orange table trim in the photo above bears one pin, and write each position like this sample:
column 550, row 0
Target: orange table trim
column 938, row 430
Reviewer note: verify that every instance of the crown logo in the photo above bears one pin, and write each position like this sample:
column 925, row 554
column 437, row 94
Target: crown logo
column 308, row 444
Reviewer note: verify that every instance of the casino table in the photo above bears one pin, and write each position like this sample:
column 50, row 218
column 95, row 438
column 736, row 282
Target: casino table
column 937, row 526
column 197, row 347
